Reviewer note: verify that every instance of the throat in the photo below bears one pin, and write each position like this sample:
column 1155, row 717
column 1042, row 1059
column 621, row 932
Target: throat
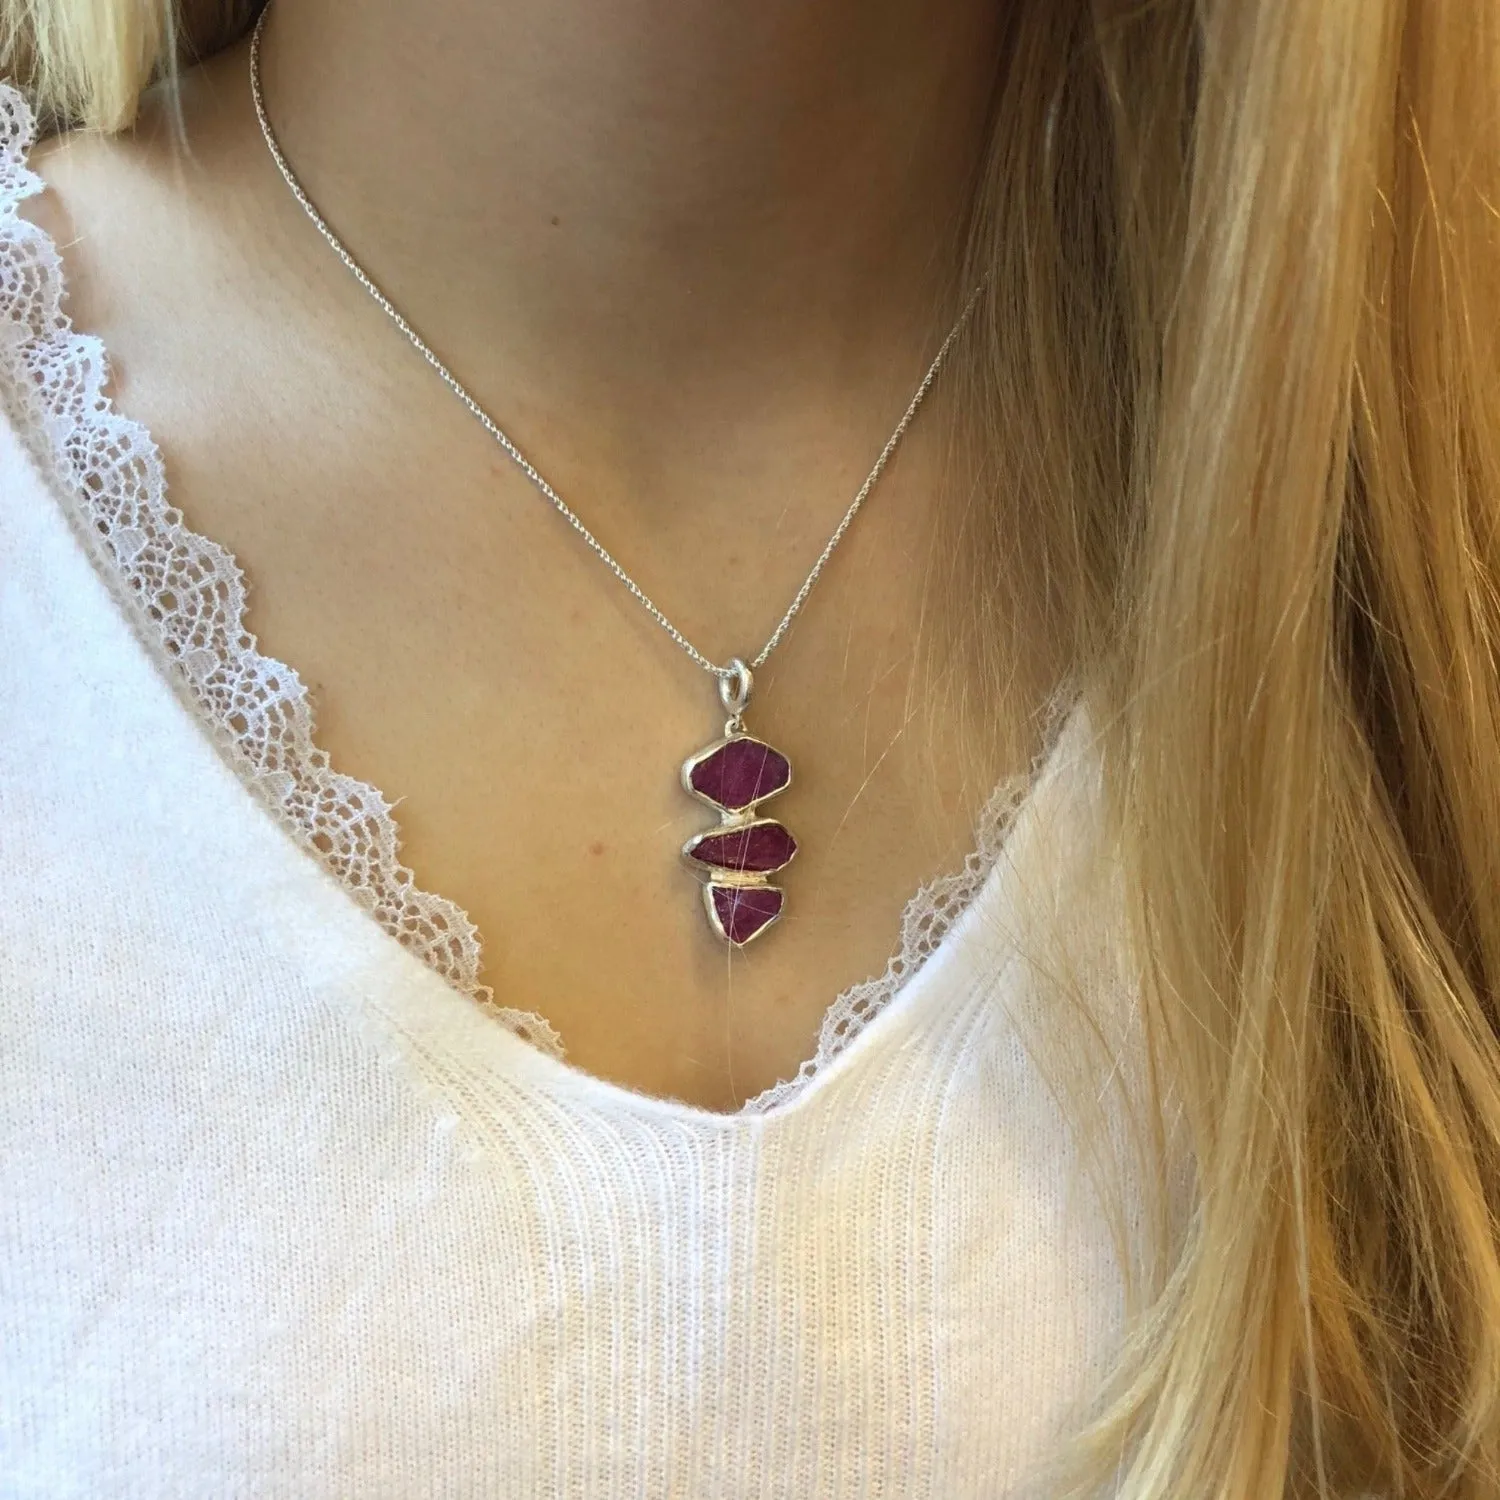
column 625, row 191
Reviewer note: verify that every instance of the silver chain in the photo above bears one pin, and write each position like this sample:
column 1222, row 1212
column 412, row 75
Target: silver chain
column 726, row 673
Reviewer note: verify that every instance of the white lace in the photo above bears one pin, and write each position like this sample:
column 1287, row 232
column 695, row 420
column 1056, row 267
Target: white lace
column 186, row 594
column 925, row 922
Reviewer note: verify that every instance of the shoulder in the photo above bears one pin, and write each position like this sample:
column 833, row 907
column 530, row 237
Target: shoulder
column 155, row 245
column 89, row 198
column 92, row 229
column 128, row 214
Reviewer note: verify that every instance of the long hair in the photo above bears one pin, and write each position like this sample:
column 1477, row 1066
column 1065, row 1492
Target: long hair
column 1239, row 363
column 86, row 62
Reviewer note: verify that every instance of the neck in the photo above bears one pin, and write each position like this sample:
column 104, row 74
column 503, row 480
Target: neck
column 624, row 190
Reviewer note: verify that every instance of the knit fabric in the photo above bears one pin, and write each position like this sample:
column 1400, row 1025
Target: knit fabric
column 289, row 1209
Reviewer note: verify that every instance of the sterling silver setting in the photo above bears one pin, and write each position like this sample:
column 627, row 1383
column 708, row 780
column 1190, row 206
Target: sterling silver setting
column 735, row 775
column 708, row 751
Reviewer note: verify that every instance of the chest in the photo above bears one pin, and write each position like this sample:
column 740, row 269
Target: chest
column 284, row 1213
column 312, row 1306
column 278, row 1219
column 466, row 657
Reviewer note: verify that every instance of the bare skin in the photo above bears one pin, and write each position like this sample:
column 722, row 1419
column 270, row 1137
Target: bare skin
column 694, row 259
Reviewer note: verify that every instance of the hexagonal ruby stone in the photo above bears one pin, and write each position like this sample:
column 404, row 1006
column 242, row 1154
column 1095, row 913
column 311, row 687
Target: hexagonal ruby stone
column 740, row 772
column 757, row 847
column 743, row 910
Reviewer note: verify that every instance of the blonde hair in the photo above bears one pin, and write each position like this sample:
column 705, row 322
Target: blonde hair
column 86, row 62
column 1240, row 364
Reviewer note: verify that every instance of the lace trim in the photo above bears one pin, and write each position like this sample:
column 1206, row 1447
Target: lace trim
column 192, row 596
column 926, row 920
column 188, row 596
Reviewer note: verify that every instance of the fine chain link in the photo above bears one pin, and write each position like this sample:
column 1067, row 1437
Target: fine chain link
column 726, row 673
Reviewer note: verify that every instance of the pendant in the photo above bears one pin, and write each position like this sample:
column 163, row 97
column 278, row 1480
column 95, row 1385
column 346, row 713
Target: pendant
column 735, row 860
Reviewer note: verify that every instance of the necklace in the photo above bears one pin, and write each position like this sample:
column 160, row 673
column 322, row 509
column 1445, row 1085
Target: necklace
column 737, row 772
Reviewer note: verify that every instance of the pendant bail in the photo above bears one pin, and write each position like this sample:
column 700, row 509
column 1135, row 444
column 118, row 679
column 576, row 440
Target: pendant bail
column 734, row 693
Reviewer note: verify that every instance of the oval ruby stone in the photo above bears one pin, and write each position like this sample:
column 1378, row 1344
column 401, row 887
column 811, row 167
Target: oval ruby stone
column 742, row 910
column 758, row 847
column 740, row 773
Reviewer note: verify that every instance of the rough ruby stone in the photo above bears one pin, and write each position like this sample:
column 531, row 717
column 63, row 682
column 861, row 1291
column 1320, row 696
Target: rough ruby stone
column 743, row 910
column 740, row 773
column 758, row 847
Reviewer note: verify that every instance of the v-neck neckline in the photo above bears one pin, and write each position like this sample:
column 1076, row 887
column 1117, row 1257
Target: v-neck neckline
column 109, row 475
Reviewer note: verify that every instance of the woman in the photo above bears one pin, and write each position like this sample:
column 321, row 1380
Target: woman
column 1164, row 1158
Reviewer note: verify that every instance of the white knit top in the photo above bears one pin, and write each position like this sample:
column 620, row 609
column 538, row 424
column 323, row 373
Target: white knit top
column 290, row 1208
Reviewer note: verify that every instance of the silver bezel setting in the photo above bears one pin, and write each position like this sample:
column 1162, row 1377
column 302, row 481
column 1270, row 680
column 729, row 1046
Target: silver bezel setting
column 721, row 873
column 713, row 911
column 700, row 756
column 716, row 878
